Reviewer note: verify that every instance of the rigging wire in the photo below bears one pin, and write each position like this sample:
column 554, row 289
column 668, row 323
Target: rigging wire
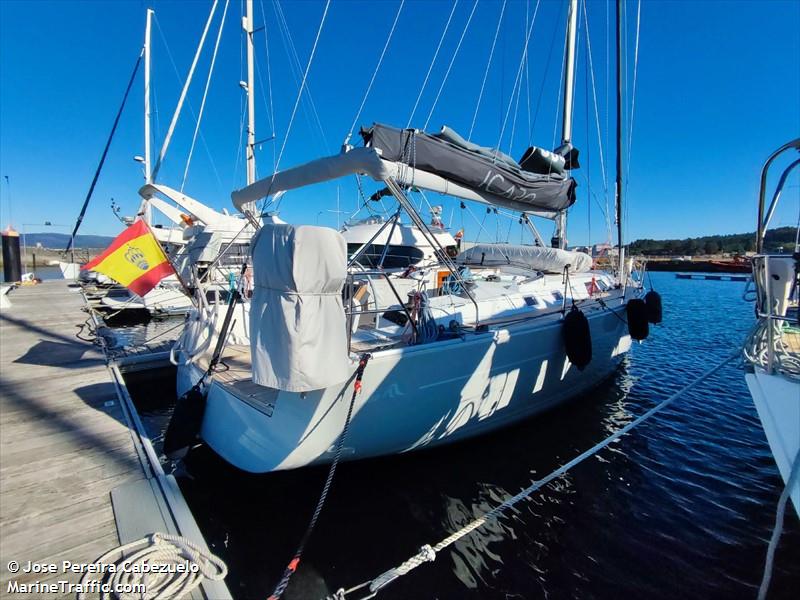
column 375, row 72
column 519, row 95
column 548, row 62
column 269, row 80
column 488, row 65
column 82, row 214
column 528, row 76
column 205, row 94
column 302, row 83
column 558, row 97
column 291, row 50
column 517, row 80
column 450, row 66
column 633, row 106
column 184, row 91
column 239, row 150
column 181, row 82
column 608, row 114
column 625, row 95
column 603, row 169
column 433, row 61
column 266, row 100
column 588, row 135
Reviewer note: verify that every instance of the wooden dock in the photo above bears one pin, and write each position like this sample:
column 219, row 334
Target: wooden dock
column 69, row 437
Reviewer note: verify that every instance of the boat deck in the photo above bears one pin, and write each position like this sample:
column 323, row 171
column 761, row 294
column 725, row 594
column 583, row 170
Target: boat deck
column 67, row 445
column 791, row 340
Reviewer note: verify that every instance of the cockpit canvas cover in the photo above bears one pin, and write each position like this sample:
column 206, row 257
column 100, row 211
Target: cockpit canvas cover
column 485, row 170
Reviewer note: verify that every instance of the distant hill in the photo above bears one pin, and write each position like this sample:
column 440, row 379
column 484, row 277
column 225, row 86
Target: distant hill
column 59, row 241
column 782, row 237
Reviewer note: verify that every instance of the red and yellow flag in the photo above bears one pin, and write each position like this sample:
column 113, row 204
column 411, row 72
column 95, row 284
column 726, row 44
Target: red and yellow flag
column 134, row 259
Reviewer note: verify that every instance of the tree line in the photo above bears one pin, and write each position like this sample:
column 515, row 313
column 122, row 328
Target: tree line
column 781, row 239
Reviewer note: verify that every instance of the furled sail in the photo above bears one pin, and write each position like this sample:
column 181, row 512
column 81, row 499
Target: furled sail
column 547, row 260
column 484, row 170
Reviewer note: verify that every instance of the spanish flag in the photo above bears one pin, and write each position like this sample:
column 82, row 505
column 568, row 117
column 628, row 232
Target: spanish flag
column 134, row 259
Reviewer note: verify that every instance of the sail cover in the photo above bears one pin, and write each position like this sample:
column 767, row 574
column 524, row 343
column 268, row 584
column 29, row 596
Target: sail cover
column 547, row 260
column 483, row 169
column 298, row 332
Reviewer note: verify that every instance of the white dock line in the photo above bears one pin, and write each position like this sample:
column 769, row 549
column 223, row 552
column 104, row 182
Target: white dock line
column 428, row 553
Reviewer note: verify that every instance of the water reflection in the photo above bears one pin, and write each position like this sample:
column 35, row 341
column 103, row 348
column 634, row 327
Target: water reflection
column 683, row 507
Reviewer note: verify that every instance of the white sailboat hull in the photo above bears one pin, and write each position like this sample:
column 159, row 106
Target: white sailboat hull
column 414, row 397
column 777, row 401
column 164, row 299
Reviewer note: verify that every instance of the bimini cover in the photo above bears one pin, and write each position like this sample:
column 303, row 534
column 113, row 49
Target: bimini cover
column 481, row 169
column 548, row 260
column 298, row 334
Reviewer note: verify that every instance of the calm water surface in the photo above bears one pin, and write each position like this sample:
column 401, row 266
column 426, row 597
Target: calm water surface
column 682, row 507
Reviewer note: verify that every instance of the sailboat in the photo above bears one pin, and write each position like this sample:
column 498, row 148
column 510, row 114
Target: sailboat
column 200, row 241
column 476, row 341
column 772, row 350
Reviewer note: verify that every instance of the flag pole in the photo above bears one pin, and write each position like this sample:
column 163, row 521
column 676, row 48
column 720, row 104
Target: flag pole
column 171, row 264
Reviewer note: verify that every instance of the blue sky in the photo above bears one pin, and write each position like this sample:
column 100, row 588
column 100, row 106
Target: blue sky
column 717, row 89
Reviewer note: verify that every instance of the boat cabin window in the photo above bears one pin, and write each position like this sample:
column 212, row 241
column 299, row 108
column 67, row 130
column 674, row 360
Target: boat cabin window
column 398, row 257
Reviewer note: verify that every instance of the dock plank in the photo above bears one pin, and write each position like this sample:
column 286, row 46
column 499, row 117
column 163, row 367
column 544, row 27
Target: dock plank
column 64, row 440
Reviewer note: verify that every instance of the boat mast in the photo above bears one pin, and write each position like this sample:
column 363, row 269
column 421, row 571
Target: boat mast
column 569, row 73
column 620, row 247
column 560, row 240
column 147, row 210
column 147, row 151
column 247, row 25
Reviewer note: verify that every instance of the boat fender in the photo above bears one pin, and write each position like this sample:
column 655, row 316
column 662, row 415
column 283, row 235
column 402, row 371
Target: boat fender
column 638, row 326
column 577, row 338
column 184, row 426
column 653, row 302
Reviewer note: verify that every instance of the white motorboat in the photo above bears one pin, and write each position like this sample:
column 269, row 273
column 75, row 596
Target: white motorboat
column 772, row 350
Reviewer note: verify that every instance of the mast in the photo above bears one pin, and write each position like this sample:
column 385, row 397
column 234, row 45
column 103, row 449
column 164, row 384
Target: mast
column 560, row 239
column 569, row 73
column 247, row 25
column 620, row 247
column 147, row 210
column 147, row 151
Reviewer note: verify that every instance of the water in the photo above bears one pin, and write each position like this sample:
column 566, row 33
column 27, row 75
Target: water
column 682, row 507
column 43, row 272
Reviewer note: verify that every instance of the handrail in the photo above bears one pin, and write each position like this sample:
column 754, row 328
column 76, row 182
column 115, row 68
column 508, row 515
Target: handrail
column 770, row 320
column 392, row 220
column 351, row 312
column 761, row 226
column 397, row 192
column 777, row 195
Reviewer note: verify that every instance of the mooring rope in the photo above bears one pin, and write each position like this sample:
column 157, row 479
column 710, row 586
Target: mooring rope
column 293, row 564
column 427, row 553
column 185, row 563
column 769, row 563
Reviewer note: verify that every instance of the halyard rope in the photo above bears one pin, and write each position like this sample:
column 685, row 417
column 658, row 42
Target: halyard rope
column 427, row 553
column 185, row 563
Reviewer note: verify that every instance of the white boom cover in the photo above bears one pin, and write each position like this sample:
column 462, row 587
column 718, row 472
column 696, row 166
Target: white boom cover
column 550, row 260
column 298, row 332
